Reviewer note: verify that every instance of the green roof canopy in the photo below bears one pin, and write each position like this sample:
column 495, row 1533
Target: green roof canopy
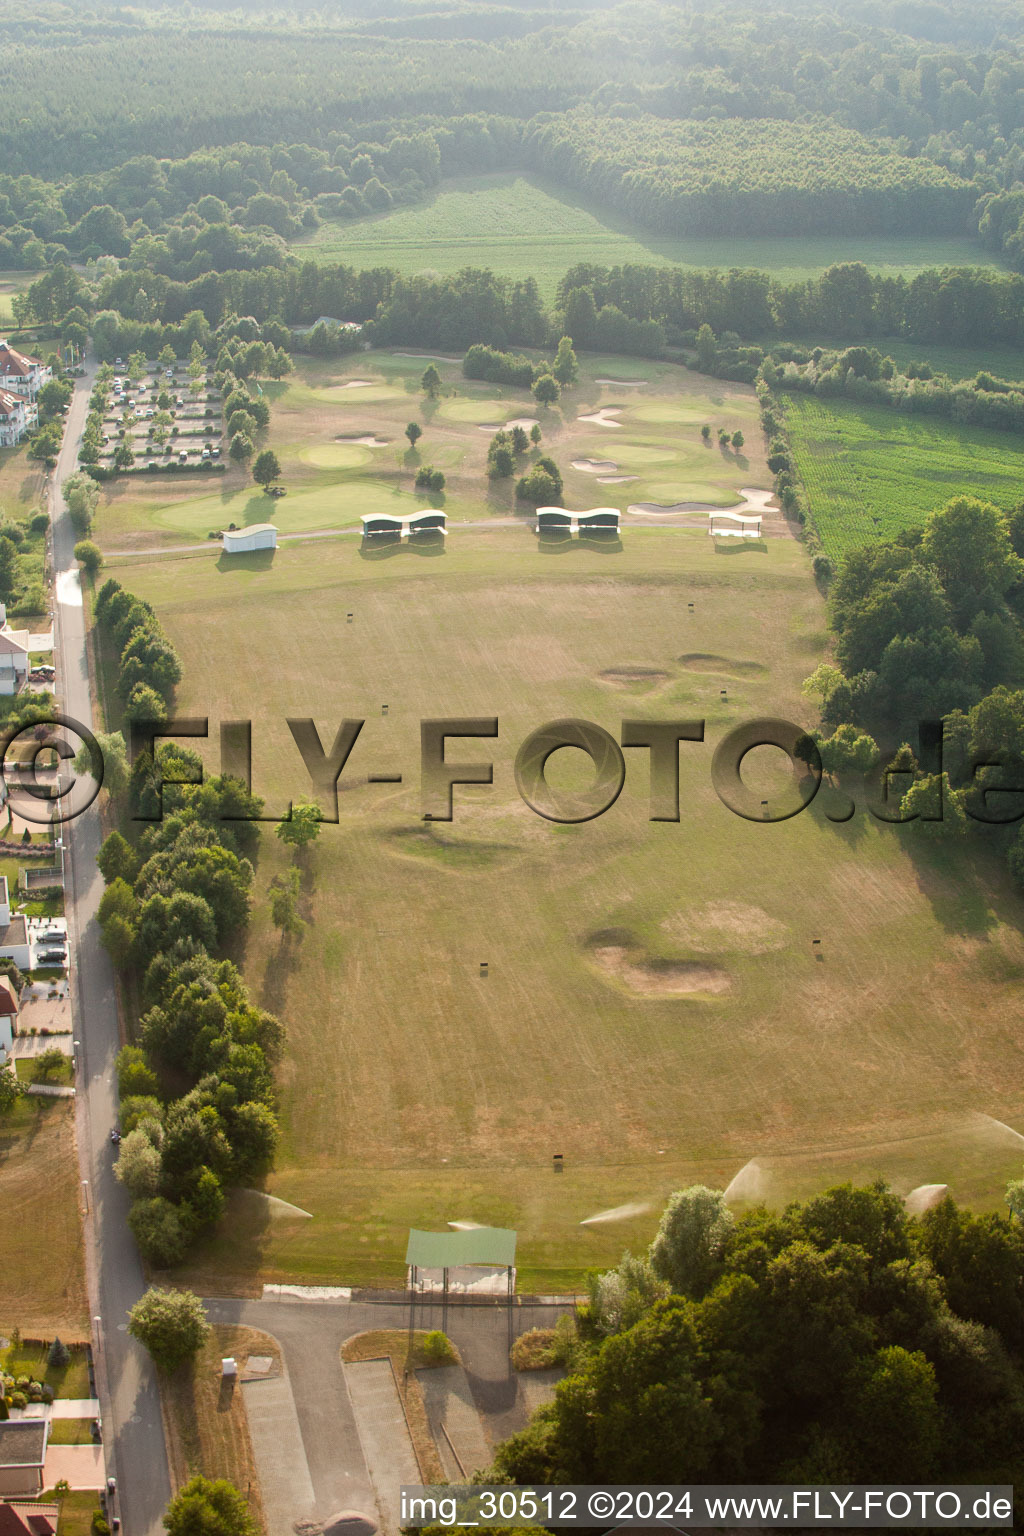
column 448, row 1250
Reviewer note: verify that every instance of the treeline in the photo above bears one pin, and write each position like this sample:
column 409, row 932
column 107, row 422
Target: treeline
column 929, row 626
column 197, row 1094
column 957, row 306
column 836, row 1340
column 735, row 176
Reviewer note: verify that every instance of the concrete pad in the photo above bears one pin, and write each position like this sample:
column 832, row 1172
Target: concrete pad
column 538, row 1387
column 383, row 1435
column 259, row 1365
column 75, row 1408
column 454, row 1421
column 280, row 1454
column 81, row 1465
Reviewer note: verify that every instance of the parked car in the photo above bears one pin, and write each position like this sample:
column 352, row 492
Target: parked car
column 46, row 670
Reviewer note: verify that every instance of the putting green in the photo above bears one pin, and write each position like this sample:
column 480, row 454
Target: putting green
column 667, row 412
column 335, row 455
column 481, row 411
column 338, row 394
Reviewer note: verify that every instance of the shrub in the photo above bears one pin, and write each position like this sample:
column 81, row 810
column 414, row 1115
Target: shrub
column 534, row 1351
column 437, row 1348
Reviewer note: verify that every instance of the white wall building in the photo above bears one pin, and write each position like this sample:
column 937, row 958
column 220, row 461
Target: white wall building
column 14, row 944
column 8, row 1019
column 241, row 541
column 17, row 416
column 14, row 663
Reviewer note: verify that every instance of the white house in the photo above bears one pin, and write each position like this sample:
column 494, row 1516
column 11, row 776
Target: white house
column 17, row 416
column 241, row 541
column 14, row 664
column 20, row 374
column 8, row 1018
column 14, row 944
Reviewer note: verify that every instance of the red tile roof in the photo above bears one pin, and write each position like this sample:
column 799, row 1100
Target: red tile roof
column 12, row 361
column 8, row 1010
column 19, row 1522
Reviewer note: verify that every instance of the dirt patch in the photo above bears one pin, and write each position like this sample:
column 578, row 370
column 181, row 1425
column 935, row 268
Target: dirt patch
column 453, row 853
column 722, row 925
column 637, row 679
column 617, row 954
column 707, row 661
column 595, row 466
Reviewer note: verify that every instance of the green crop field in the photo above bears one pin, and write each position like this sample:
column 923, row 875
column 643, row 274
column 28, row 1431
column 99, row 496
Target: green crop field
column 523, row 227
column 654, row 1009
column 869, row 471
column 653, row 451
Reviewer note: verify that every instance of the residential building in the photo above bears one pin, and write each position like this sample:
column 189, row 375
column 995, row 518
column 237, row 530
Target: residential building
column 20, row 374
column 17, row 416
column 14, row 942
column 8, row 1024
column 14, row 664
column 28, row 1519
column 22, row 1455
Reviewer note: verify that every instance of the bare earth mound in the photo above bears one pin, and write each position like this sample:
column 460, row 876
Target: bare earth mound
column 616, row 953
column 722, row 925
column 633, row 677
column 706, row 661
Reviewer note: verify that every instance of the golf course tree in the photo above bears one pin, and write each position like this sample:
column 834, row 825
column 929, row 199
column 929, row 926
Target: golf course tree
column 413, row 432
column 209, row 1507
column 172, row 1325
column 10, row 1089
column 266, row 469
column 836, row 1336
column 565, row 368
column 546, row 390
column 430, row 479
column 430, row 383
column 542, row 484
column 302, row 826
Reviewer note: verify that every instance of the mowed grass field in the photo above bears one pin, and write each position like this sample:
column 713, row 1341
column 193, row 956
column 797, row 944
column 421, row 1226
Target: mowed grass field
column 42, row 1275
column 870, row 472
column 520, row 226
column 654, row 443
column 654, row 1008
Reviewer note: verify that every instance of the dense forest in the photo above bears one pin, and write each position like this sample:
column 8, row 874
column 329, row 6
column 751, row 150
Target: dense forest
column 915, row 109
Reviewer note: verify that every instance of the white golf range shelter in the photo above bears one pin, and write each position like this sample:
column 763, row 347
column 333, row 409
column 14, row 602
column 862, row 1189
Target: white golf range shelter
column 734, row 525
column 242, row 541
column 427, row 521
column 597, row 520
column 470, row 1260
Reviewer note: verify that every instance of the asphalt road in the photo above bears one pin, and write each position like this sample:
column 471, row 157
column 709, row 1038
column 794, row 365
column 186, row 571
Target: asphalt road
column 129, row 1396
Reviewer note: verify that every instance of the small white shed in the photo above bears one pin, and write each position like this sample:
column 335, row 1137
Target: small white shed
column 242, row 541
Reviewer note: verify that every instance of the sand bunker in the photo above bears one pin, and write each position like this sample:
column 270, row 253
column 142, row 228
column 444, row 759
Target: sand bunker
column 466, row 1226
column 633, row 677
column 753, row 501
column 370, row 441
column 616, row 479
column 617, row 1213
column 595, row 466
column 442, row 357
column 604, row 417
column 734, row 925
column 355, row 384
column 526, row 422
column 707, row 661
column 616, row 953
column 625, row 383
column 924, row 1198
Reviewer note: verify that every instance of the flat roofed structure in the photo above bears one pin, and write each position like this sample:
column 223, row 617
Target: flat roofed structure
column 559, row 520
column 429, row 520
column 447, row 1256
column 736, row 525
column 241, row 541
